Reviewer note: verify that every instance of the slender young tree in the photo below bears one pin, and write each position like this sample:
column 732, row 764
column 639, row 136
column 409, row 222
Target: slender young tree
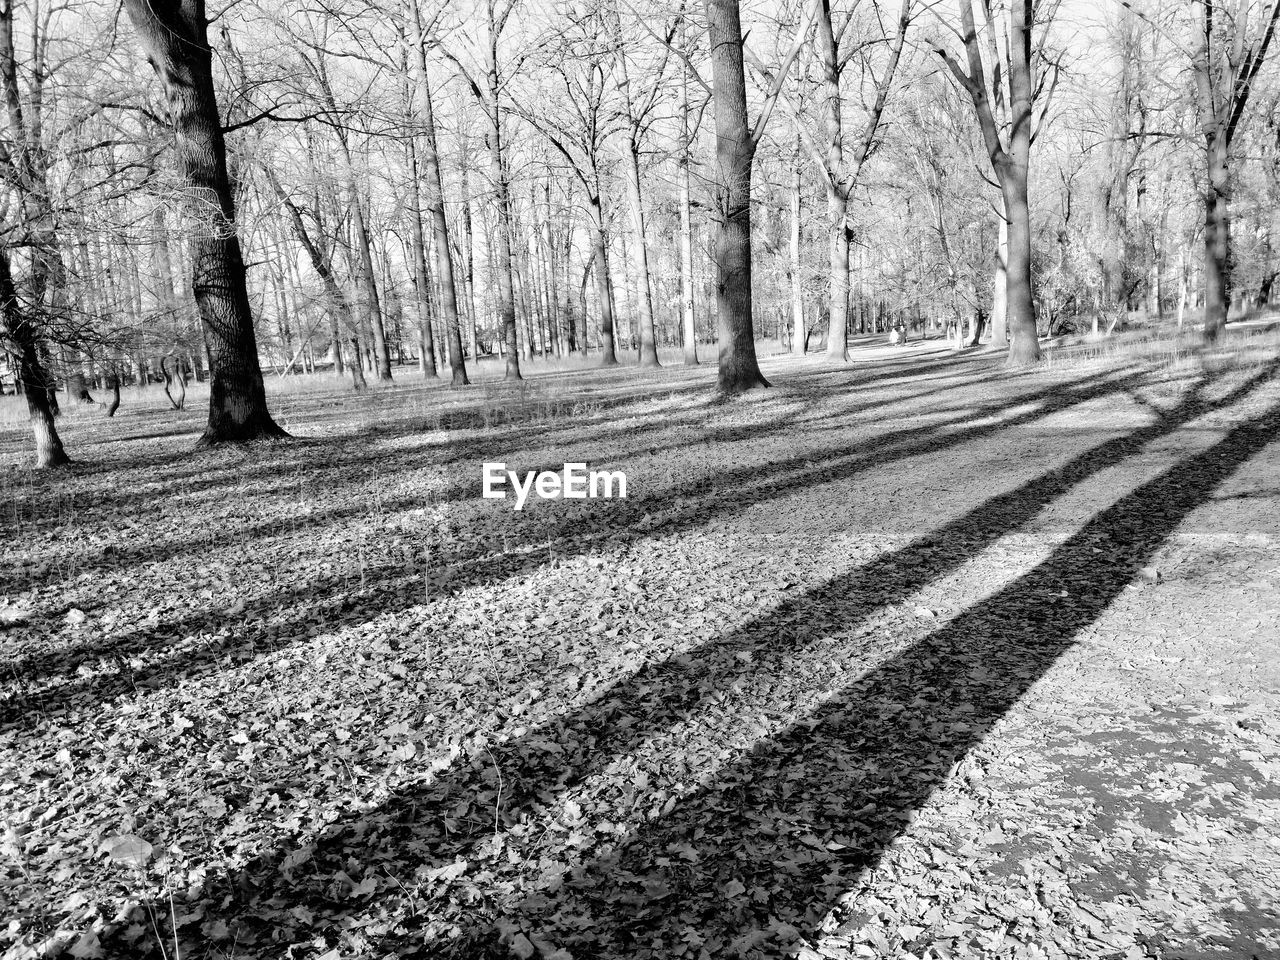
column 637, row 112
column 173, row 36
column 580, row 141
column 434, row 186
column 841, row 168
column 687, row 314
column 487, row 91
column 340, row 306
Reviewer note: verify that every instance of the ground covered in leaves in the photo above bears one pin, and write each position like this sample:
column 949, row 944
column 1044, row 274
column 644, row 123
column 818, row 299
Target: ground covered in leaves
column 922, row 657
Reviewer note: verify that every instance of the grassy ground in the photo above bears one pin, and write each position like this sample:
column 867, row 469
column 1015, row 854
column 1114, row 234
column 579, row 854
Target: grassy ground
column 922, row 657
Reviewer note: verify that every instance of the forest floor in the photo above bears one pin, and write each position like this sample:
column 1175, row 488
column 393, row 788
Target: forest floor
column 921, row 657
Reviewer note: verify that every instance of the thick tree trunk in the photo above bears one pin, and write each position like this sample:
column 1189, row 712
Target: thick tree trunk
column 1000, row 286
column 173, row 36
column 31, row 373
column 838, row 297
column 837, row 197
column 113, row 383
column 358, row 381
column 1217, row 240
column 1025, row 347
column 735, row 151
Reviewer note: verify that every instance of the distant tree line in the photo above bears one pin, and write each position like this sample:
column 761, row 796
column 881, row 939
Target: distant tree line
column 292, row 189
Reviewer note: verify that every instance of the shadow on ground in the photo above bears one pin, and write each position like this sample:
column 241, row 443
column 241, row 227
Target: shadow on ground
column 757, row 855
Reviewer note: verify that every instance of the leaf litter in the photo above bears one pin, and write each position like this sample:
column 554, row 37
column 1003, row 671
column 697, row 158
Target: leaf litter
column 343, row 707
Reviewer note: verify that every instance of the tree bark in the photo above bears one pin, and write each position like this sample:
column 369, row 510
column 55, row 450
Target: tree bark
column 837, row 197
column 173, row 36
column 604, row 289
column 34, row 378
column 1225, row 63
column 1010, row 161
column 113, row 382
column 838, row 324
column 421, row 277
column 644, row 295
column 434, row 185
column 1000, row 286
column 799, row 342
column 688, row 317
column 468, row 265
column 504, row 262
column 735, row 150
column 1025, row 348
column 1217, row 237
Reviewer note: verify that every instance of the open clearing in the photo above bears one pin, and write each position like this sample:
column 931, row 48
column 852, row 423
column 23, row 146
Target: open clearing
column 920, row 657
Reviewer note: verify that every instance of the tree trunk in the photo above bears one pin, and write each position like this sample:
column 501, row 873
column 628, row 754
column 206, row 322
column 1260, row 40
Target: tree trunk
column 468, row 266
column 1217, row 239
column 1025, row 348
column 113, row 383
column 688, row 316
column 504, row 264
column 571, row 332
column 421, row 278
column 604, row 290
column 1000, row 286
column 735, row 151
column 358, row 382
column 550, row 278
column 644, row 296
column 31, row 373
column 173, row 36
column 799, row 341
column 838, row 325
column 340, row 313
column 370, row 304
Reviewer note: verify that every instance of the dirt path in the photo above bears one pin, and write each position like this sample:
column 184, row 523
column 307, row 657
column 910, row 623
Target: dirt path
column 920, row 658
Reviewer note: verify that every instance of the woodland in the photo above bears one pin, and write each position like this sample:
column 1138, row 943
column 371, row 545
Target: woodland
column 935, row 341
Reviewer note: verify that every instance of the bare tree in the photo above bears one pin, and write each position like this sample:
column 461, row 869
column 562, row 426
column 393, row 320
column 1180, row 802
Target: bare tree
column 24, row 164
column 434, row 185
column 173, row 35
column 840, row 168
column 1009, row 150
column 736, row 143
column 1229, row 47
column 487, row 91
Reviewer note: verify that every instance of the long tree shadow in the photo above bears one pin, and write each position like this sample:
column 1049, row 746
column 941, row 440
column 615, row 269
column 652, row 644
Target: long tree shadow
column 769, row 845
column 391, row 586
column 892, row 755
